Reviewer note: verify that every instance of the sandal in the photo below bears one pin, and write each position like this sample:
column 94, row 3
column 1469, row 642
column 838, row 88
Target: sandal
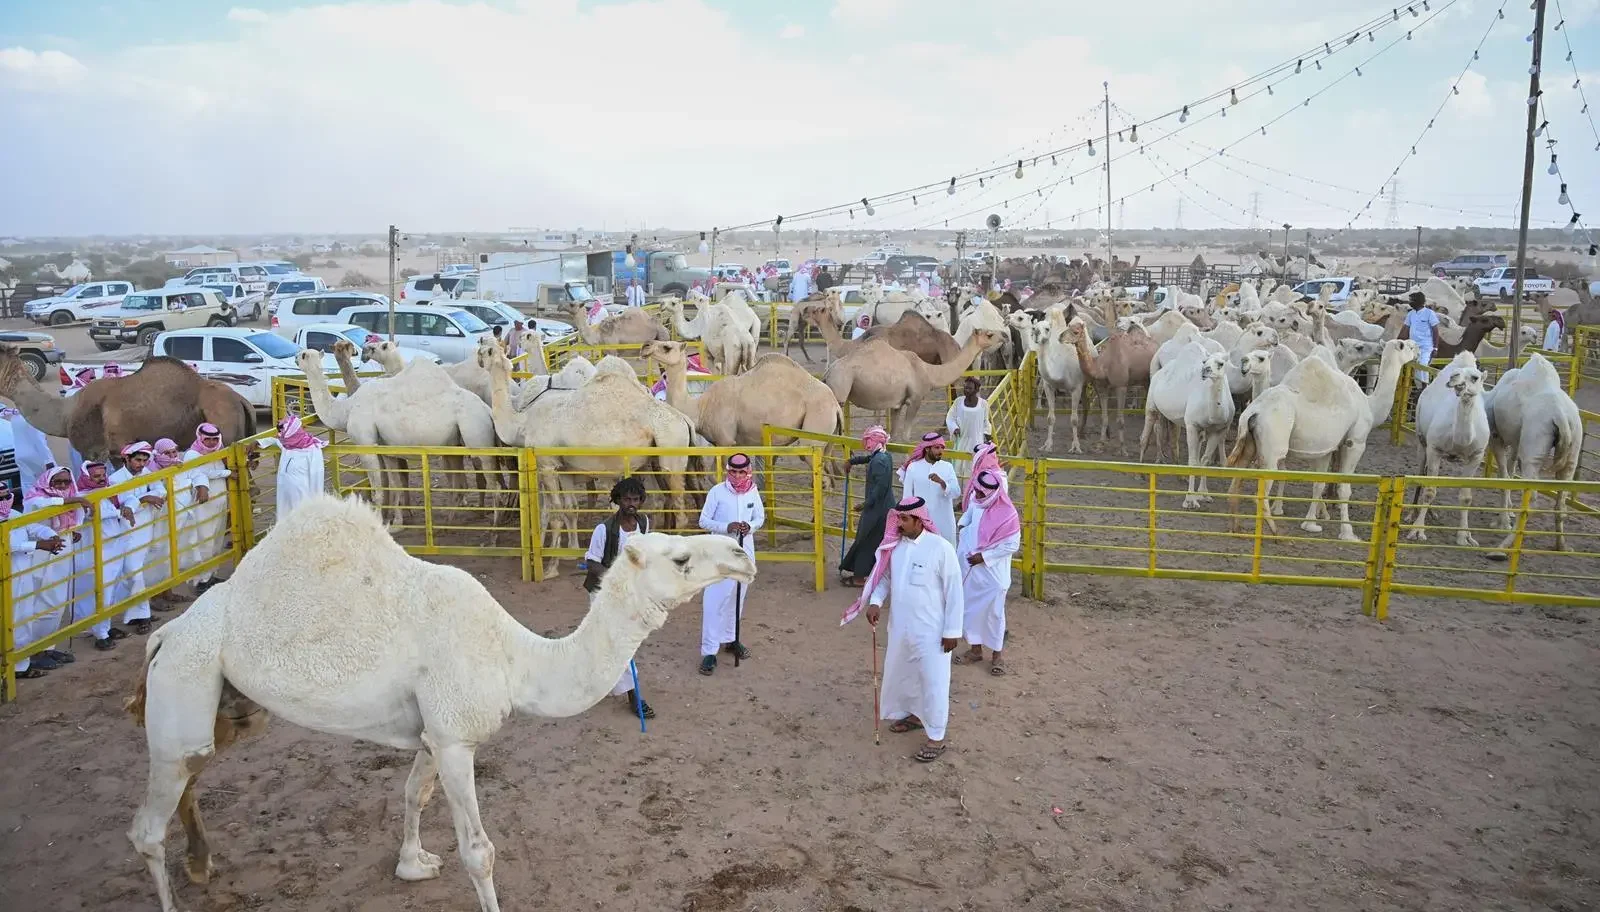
column 967, row 658
column 105, row 643
column 117, row 633
column 141, row 626
column 708, row 665
column 640, row 707
column 738, row 649
column 44, row 662
column 31, row 674
column 929, row 753
column 65, row 658
column 997, row 669
column 901, row 726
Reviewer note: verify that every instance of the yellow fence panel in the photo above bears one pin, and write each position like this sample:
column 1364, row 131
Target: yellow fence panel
column 557, row 355
column 1586, row 358
column 98, row 562
column 438, row 500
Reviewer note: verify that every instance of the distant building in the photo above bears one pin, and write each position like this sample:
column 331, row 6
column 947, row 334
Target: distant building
column 200, row 255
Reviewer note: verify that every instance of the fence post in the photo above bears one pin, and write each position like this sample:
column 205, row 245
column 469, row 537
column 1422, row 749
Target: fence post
column 1514, row 559
column 530, row 495
column 1397, row 411
column 818, row 545
column 241, row 509
column 1041, row 531
column 426, row 498
column 1375, row 550
column 172, row 531
column 1573, row 379
column 1391, row 546
column 8, row 635
column 524, row 529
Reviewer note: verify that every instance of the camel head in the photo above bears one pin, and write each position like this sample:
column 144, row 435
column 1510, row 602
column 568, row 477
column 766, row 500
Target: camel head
column 346, row 349
column 1351, row 352
column 1020, row 320
column 1403, row 351
column 309, row 361
column 12, row 371
column 1467, row 380
column 1258, row 336
column 492, row 357
column 662, row 570
column 667, row 354
column 1215, row 365
column 1076, row 330
column 988, row 339
column 1486, row 322
column 374, row 351
column 1255, row 363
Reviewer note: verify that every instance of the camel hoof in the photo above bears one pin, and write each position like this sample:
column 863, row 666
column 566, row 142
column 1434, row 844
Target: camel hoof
column 1076, row 448
column 201, row 874
column 1310, row 526
column 1277, row 509
column 424, row 867
column 1349, row 536
column 1191, row 503
column 1496, row 555
column 1466, row 541
column 1417, row 535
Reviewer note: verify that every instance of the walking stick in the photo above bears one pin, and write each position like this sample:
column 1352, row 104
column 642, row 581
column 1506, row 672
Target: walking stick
column 877, row 721
column 844, row 520
column 638, row 698
column 738, row 615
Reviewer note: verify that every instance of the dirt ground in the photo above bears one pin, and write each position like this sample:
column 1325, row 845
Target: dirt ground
column 1157, row 746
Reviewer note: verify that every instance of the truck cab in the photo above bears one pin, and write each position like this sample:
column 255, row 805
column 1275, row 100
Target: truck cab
column 77, row 302
column 665, row 272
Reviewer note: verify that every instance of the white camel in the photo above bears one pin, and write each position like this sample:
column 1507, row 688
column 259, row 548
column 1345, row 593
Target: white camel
column 1315, row 413
column 431, row 663
column 1531, row 420
column 1192, row 391
column 1059, row 371
column 1451, row 424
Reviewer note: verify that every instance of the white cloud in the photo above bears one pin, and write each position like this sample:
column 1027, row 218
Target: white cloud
column 792, row 30
column 1475, row 98
column 866, row 12
column 246, row 14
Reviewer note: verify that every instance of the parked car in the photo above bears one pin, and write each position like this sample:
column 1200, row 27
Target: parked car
column 449, row 332
column 143, row 315
column 76, row 303
column 1502, row 280
column 727, row 272
column 247, row 304
column 322, row 336
column 874, row 259
column 422, row 289
column 457, row 269
column 251, row 275
column 289, row 286
column 1470, row 264
column 496, row 313
column 37, row 350
column 785, row 270
column 901, row 263
column 1343, row 286
column 291, row 313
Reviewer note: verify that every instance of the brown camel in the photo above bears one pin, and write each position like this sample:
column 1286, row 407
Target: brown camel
column 163, row 398
column 913, row 333
column 882, row 378
column 1476, row 328
column 631, row 327
column 346, row 353
column 50, row 412
column 1123, row 361
column 818, row 315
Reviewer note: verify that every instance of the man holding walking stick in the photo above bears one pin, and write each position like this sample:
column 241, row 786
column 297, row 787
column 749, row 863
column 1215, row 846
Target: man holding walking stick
column 732, row 508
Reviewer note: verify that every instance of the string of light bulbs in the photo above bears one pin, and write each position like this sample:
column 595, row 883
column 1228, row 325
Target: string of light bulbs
column 1261, row 129
column 1577, row 79
column 1455, row 90
column 1575, row 222
column 1290, row 66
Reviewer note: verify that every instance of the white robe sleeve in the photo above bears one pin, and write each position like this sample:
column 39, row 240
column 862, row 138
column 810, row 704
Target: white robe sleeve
column 983, row 419
column 1002, row 550
column 954, row 602
column 759, row 517
column 881, row 591
column 952, row 487
column 597, row 545
column 951, row 425
column 708, row 513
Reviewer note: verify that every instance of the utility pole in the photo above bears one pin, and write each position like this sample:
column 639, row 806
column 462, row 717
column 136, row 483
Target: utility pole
column 1527, row 179
column 1110, row 257
column 394, row 252
column 1416, row 261
column 1179, row 225
column 1255, row 208
column 1286, row 227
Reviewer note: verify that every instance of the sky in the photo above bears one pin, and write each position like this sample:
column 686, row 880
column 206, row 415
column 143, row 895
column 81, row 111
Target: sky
column 194, row 117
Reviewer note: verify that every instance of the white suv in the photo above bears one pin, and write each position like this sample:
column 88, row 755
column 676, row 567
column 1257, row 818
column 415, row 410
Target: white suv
column 449, row 332
column 291, row 313
column 422, row 289
column 77, row 303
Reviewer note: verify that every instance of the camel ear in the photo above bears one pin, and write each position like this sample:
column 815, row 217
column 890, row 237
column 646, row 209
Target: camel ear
column 634, row 554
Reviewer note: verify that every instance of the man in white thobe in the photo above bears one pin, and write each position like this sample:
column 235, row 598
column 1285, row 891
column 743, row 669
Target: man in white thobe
column 920, row 576
column 989, row 533
column 968, row 418
column 138, row 510
column 204, row 498
column 799, row 285
column 635, row 293
column 734, row 509
column 926, row 475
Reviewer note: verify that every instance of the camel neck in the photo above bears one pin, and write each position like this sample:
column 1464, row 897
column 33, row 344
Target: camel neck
column 46, row 412
column 506, row 424
column 558, row 678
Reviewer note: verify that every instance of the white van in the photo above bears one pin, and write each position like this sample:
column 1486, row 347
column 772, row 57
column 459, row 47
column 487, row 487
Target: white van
column 252, row 276
column 449, row 332
column 291, row 313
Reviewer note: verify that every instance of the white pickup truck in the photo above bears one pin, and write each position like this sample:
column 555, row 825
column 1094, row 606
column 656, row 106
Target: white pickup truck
column 77, row 303
column 1501, row 280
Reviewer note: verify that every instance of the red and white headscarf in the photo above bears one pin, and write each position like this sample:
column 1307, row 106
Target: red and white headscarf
column 41, row 488
column 985, row 458
column 138, row 446
column 6, row 502
column 112, row 369
column 932, row 438
column 874, row 438
column 206, row 429
column 913, row 506
column 1000, row 520
column 86, row 483
column 83, row 378
column 161, row 459
column 742, row 482
column 292, row 434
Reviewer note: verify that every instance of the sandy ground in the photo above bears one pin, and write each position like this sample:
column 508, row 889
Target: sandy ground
column 1158, row 746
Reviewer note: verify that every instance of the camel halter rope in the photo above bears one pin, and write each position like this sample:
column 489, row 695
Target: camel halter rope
column 638, row 697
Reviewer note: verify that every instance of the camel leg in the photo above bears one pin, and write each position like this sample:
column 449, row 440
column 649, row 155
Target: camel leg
column 1418, row 529
column 375, row 474
column 1075, row 397
column 1266, row 492
column 415, row 862
column 1050, row 410
column 1464, row 536
column 477, row 852
column 1317, row 465
column 1192, row 433
column 1502, row 461
column 1152, row 422
column 1122, row 417
column 1348, row 460
column 1104, row 393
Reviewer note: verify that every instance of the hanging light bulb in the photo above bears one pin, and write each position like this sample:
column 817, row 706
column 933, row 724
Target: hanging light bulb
column 1455, row 90
column 951, row 190
column 1184, row 117
column 1560, row 24
column 630, row 261
column 913, row 199
column 704, row 247
column 1552, row 169
column 1358, row 71
column 1269, row 88
column 1091, row 147
column 1425, row 5
column 1563, row 199
column 1319, row 64
column 1501, row 13
column 1326, row 49
column 1133, row 135
column 1018, row 175
column 1224, row 112
column 1529, row 38
column 1263, row 131
column 868, row 206
column 1119, row 136
column 1297, row 66
column 1594, row 249
column 1408, row 34
column 1396, row 12
column 1474, row 55
column 980, row 183
column 1052, row 161
column 1540, row 132
column 852, row 215
column 1413, row 11
column 1233, row 96
column 1371, row 38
